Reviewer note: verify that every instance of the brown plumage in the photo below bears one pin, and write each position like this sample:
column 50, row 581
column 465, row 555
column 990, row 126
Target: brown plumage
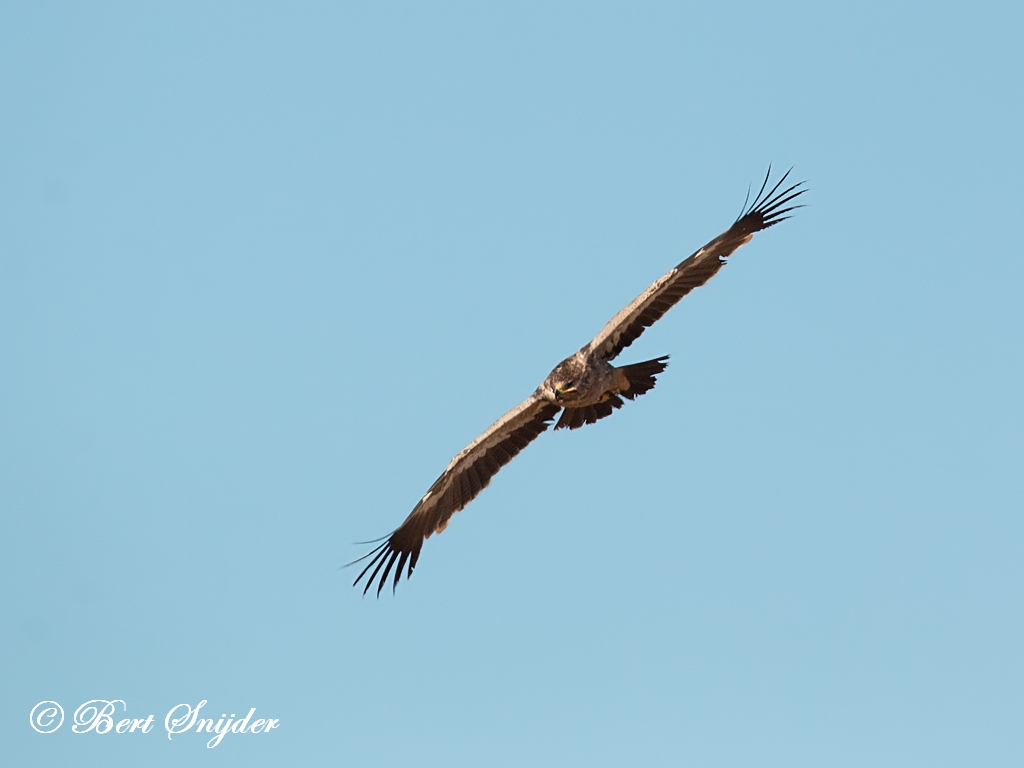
column 585, row 385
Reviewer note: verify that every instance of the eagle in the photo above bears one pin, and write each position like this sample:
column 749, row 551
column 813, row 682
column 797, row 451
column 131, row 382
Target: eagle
column 584, row 387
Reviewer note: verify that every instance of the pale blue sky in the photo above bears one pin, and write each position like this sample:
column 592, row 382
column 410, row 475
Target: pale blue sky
column 264, row 268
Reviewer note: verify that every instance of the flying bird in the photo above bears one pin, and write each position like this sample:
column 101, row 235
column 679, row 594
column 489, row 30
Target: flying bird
column 585, row 387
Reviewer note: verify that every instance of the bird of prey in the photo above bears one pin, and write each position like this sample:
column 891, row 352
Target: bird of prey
column 585, row 387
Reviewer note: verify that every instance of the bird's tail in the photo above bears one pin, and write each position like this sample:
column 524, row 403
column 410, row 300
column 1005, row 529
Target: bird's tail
column 641, row 376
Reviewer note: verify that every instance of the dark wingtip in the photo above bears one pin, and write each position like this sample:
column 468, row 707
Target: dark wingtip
column 386, row 556
column 767, row 209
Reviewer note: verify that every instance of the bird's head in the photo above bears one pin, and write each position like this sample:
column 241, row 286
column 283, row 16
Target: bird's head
column 566, row 382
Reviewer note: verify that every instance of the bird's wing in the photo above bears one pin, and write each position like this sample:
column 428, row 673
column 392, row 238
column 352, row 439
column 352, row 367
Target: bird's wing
column 766, row 209
column 467, row 474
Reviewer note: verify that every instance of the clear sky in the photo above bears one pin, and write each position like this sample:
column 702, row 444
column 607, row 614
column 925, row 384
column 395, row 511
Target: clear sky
column 264, row 268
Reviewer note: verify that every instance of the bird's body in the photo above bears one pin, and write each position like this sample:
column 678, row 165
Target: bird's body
column 585, row 387
column 580, row 379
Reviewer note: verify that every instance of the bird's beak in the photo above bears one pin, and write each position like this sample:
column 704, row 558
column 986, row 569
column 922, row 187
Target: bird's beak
column 561, row 394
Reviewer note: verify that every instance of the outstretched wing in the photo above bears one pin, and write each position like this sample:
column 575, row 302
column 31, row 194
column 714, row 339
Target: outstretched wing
column 467, row 474
column 766, row 210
